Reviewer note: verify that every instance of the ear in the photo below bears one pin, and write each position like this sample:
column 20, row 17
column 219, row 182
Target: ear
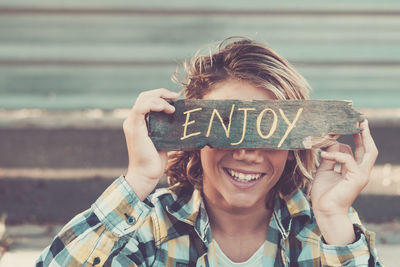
column 290, row 155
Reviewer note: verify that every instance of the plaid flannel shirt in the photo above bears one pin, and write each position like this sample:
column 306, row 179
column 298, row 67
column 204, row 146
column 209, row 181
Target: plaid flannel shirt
column 171, row 228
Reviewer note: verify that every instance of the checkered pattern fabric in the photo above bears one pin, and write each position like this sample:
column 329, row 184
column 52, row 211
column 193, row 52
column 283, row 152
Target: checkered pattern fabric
column 171, row 228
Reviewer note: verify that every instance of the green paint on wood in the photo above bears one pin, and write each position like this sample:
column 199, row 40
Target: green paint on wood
column 278, row 124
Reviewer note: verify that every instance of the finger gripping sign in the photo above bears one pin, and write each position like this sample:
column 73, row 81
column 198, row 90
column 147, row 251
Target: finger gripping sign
column 276, row 124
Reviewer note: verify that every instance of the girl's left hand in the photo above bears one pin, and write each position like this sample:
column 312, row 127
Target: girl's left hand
column 334, row 192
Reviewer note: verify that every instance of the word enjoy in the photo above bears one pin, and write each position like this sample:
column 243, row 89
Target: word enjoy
column 227, row 128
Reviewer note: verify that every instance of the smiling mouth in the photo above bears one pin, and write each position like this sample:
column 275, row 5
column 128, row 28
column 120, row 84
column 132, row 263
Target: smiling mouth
column 243, row 177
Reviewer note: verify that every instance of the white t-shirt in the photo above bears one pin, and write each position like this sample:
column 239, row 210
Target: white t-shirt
column 224, row 261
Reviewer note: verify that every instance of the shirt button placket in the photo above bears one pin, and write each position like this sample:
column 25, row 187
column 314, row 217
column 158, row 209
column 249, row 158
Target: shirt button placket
column 130, row 219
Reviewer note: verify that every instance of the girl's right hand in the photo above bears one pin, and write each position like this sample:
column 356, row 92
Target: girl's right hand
column 146, row 163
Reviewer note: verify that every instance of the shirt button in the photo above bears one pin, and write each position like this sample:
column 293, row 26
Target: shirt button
column 130, row 220
column 96, row 261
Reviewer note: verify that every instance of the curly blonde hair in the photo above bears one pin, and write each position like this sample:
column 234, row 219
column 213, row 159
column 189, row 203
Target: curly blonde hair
column 242, row 59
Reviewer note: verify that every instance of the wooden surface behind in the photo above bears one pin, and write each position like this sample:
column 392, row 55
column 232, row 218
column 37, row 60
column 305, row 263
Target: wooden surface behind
column 101, row 55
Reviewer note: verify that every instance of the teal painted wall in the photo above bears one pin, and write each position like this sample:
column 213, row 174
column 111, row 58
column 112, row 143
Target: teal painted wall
column 101, row 54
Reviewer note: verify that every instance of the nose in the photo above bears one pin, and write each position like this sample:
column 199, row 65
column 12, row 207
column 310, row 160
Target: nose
column 248, row 155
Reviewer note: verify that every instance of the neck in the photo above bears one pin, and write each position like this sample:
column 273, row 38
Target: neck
column 239, row 232
column 236, row 222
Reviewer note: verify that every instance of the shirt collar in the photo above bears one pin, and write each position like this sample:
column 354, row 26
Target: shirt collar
column 190, row 208
column 297, row 204
column 185, row 205
column 288, row 210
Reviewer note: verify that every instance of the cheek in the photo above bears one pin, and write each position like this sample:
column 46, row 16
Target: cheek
column 279, row 160
column 207, row 157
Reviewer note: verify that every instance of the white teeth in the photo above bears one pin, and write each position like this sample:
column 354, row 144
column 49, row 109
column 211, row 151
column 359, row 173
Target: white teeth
column 242, row 176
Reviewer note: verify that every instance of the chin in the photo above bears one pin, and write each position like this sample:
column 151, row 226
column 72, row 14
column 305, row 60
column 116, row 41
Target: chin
column 245, row 202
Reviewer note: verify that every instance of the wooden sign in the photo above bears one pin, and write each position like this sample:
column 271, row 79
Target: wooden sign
column 277, row 124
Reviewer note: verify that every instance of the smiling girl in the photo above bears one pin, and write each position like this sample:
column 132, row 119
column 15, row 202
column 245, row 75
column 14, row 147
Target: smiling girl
column 226, row 207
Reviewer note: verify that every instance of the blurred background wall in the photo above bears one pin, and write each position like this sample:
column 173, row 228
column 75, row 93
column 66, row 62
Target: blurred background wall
column 70, row 71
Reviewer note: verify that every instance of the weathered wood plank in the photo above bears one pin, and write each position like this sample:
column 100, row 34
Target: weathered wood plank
column 297, row 5
column 147, row 38
column 279, row 124
column 56, row 56
column 55, row 87
column 303, row 51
